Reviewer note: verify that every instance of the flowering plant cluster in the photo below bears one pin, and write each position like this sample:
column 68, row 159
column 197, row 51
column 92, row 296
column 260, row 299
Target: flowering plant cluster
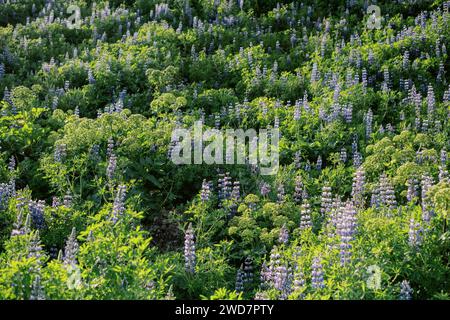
column 93, row 207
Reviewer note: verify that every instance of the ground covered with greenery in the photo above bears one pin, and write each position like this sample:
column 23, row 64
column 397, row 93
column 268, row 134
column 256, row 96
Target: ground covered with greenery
column 92, row 207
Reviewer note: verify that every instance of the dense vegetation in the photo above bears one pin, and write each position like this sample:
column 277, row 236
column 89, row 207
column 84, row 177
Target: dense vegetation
column 92, row 207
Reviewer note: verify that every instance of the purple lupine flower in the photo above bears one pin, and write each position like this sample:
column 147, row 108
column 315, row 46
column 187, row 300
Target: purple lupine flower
column 293, row 40
column 412, row 189
column 369, row 121
column 348, row 113
column 60, row 153
column 319, row 163
column 206, row 191
column 343, row 155
column 299, row 279
column 55, row 202
column 286, row 274
column 19, row 228
column 91, row 78
column 110, row 148
column 119, row 203
column 443, row 157
column 5, row 194
column 443, row 173
column 326, row 200
column 265, row 276
column 111, row 169
column 298, row 189
column 55, row 102
column 94, row 152
column 305, row 214
column 71, row 249
column 239, row 287
column 37, row 291
column 405, row 59
column 265, row 189
column 284, row 235
column 37, row 213
column 297, row 110
column 279, row 277
column 426, row 184
column 387, row 194
column 345, row 229
column 308, row 166
column 414, row 233
column 35, row 249
column 235, row 192
column 224, row 186
column 189, row 250
column 405, row 290
column 314, row 73
column 358, row 187
column 12, row 164
column 317, row 281
column 364, row 80
column 431, row 102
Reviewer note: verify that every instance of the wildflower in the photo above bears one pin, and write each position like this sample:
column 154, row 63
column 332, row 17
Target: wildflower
column 37, row 291
column 35, row 249
column 369, row 120
column 358, row 187
column 189, row 250
column 405, row 290
column 412, row 189
column 305, row 214
column 224, row 186
column 298, row 190
column 37, row 213
column 297, row 160
column 414, row 233
column 325, row 204
column 112, row 165
column 265, row 189
column 284, row 235
column 206, row 191
column 317, row 281
column 60, row 153
column 299, row 279
column 12, row 164
column 71, row 249
column 110, row 148
column 240, row 280
column 119, row 203
column 345, row 229
column 387, row 195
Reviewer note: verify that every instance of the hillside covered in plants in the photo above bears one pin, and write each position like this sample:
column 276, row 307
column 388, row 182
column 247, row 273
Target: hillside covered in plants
column 93, row 207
